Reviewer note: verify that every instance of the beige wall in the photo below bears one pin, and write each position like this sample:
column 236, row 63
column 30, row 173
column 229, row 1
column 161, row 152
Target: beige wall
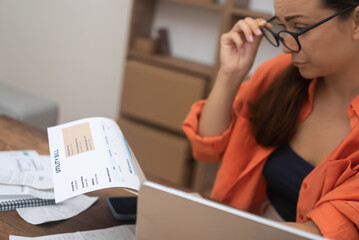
column 70, row 51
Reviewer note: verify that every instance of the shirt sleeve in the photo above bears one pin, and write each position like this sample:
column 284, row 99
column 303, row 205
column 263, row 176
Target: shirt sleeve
column 333, row 222
column 209, row 149
column 337, row 213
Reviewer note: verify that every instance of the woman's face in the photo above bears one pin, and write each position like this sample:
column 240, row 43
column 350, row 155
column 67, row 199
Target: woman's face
column 326, row 49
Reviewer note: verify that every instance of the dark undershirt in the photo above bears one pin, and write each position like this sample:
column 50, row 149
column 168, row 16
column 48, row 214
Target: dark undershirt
column 284, row 172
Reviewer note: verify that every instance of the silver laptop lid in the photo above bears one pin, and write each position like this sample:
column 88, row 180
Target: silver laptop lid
column 165, row 213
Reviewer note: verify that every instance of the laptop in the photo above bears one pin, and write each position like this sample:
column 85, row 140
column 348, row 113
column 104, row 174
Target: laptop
column 165, row 213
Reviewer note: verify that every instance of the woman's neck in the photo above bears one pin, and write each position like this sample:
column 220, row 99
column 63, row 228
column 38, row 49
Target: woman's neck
column 341, row 88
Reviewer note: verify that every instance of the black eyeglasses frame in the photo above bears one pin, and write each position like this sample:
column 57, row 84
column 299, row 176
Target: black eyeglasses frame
column 295, row 35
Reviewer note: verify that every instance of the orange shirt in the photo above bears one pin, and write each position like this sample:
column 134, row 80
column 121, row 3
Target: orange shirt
column 329, row 195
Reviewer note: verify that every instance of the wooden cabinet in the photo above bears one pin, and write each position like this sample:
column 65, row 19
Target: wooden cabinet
column 157, row 94
column 160, row 154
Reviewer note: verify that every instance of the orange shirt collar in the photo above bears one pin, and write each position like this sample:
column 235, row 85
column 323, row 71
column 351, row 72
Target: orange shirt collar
column 353, row 112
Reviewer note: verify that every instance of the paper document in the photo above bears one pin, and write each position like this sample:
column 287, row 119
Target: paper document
column 13, row 190
column 124, row 232
column 26, row 170
column 91, row 154
column 61, row 211
column 25, row 180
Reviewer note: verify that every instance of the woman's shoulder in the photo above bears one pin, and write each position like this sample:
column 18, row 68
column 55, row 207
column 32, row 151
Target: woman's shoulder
column 273, row 67
column 282, row 58
column 267, row 72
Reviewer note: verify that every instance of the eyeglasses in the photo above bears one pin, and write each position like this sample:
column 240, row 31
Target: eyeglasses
column 290, row 39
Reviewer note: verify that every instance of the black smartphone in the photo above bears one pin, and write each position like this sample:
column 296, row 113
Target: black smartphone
column 123, row 208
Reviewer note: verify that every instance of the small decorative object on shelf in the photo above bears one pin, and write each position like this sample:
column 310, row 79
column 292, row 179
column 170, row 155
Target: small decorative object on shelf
column 145, row 45
column 163, row 47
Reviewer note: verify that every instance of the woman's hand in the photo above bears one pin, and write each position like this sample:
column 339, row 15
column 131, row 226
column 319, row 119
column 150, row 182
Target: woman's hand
column 239, row 47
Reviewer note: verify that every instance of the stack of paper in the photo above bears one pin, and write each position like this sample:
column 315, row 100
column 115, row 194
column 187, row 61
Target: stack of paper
column 25, row 180
column 26, row 185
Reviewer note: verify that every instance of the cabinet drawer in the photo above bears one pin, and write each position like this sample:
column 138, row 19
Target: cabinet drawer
column 160, row 154
column 158, row 95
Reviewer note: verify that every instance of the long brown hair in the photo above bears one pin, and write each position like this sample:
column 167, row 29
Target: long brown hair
column 274, row 114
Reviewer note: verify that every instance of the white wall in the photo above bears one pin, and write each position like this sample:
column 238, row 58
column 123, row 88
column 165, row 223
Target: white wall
column 262, row 5
column 73, row 51
column 70, row 51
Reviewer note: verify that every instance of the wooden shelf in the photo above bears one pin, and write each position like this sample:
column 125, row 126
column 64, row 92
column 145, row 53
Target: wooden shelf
column 210, row 6
column 249, row 13
column 174, row 63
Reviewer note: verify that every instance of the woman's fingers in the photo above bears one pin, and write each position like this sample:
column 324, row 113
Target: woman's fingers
column 249, row 27
column 232, row 38
column 244, row 27
column 239, row 46
column 254, row 25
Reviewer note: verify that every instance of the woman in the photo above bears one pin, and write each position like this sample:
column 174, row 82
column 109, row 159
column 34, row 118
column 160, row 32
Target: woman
column 288, row 138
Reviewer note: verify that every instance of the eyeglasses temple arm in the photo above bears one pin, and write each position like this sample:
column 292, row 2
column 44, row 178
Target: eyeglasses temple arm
column 323, row 21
